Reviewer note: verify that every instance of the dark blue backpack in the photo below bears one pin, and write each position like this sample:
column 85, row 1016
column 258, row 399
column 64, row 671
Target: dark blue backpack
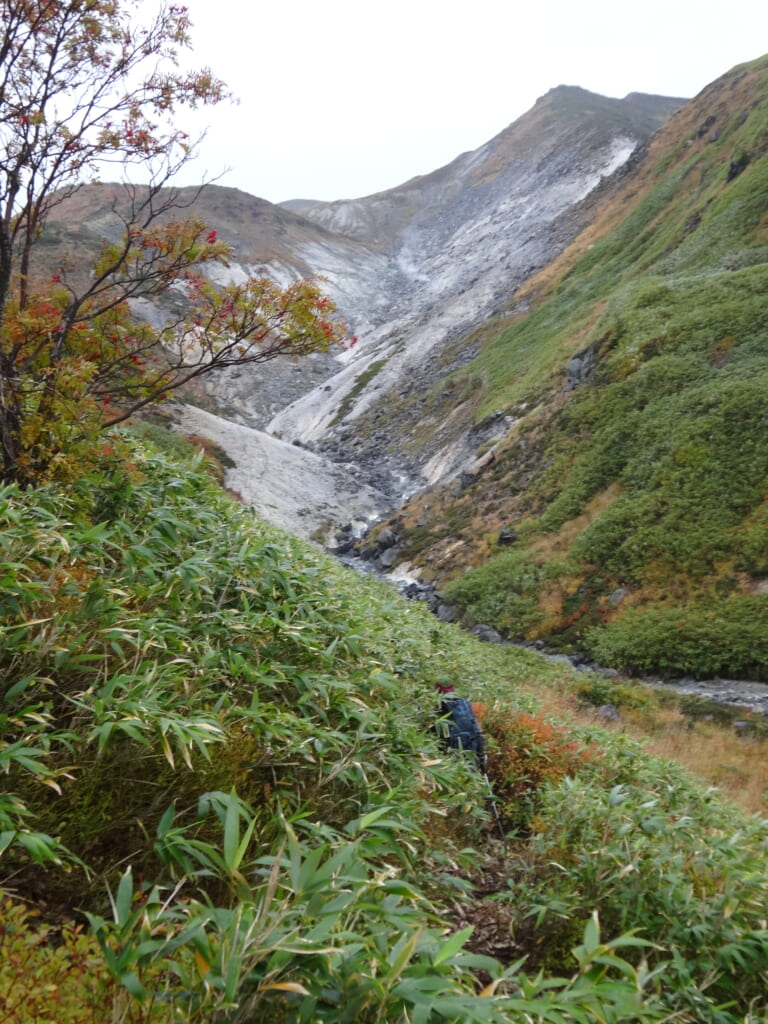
column 459, row 729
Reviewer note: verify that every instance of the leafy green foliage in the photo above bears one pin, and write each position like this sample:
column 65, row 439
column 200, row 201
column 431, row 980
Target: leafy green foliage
column 71, row 983
column 81, row 85
column 700, row 641
column 596, row 691
column 179, row 628
column 503, row 591
column 636, row 854
column 216, row 744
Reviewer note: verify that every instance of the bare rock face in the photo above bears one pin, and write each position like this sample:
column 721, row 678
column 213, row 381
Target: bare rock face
column 292, row 488
column 459, row 242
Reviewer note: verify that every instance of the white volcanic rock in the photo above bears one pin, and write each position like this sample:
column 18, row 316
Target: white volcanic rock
column 290, row 487
column 462, row 240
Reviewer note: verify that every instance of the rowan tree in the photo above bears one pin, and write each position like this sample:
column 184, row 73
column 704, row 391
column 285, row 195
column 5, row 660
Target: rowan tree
column 84, row 84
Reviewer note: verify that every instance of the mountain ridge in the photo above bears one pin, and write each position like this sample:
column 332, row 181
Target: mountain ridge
column 502, row 223
column 405, row 253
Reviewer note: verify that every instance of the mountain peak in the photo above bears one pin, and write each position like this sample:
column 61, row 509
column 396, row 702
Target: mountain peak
column 565, row 91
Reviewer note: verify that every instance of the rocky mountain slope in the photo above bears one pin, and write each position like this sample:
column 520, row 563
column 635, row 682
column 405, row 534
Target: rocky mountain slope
column 412, row 270
column 460, row 241
column 621, row 506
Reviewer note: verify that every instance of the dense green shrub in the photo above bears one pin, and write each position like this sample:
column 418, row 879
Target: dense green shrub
column 647, row 856
column 705, row 641
column 216, row 744
column 597, row 691
column 502, row 592
column 59, row 975
column 191, row 648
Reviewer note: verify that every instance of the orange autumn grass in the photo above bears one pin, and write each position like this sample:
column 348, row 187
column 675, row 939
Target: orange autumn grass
column 526, row 751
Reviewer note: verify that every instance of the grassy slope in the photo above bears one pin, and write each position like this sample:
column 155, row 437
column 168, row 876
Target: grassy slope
column 230, row 731
column 651, row 476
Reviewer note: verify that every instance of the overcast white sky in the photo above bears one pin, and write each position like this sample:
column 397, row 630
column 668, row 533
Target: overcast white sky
column 343, row 98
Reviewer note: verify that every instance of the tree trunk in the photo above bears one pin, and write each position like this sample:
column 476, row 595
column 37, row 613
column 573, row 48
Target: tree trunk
column 10, row 421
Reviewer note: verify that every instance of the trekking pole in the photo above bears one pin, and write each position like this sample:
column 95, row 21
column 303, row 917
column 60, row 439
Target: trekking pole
column 496, row 815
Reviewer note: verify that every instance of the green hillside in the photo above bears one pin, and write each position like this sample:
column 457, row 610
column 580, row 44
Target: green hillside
column 635, row 478
column 223, row 801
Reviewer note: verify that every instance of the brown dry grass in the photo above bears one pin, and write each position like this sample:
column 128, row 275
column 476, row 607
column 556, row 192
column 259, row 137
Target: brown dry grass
column 736, row 766
column 556, row 546
column 716, row 755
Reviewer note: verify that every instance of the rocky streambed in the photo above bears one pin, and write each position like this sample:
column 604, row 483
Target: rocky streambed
column 381, row 559
column 289, row 486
